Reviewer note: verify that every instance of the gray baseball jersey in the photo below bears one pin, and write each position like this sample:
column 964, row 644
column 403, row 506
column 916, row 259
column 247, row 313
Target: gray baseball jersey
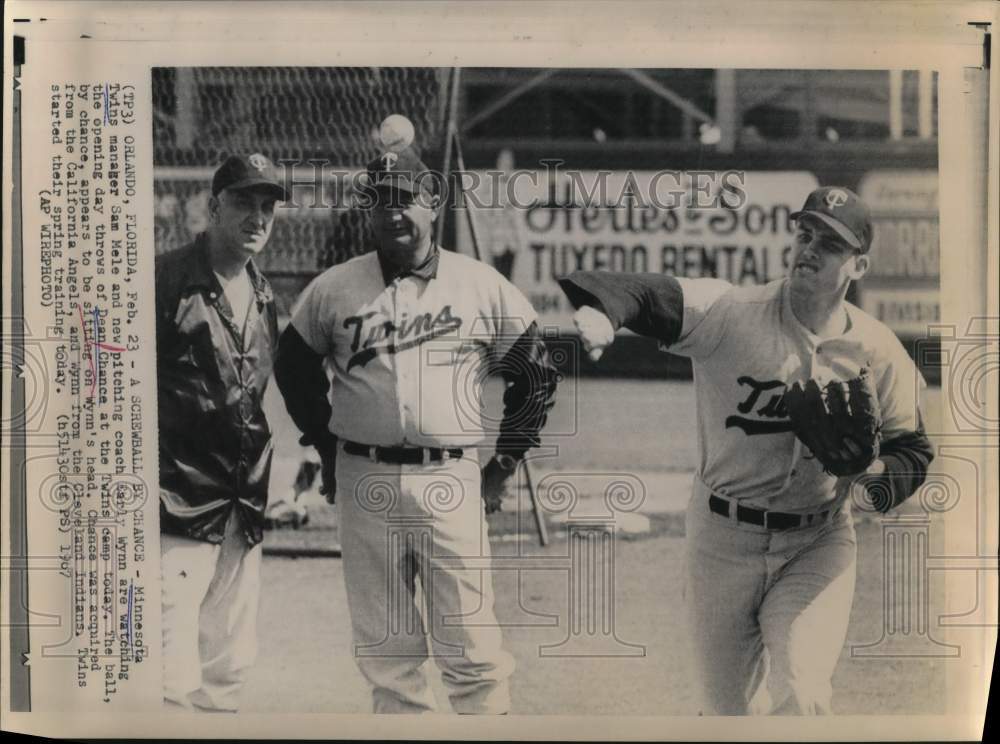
column 747, row 346
column 409, row 357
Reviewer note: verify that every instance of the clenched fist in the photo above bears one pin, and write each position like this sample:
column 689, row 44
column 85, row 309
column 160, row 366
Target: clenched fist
column 595, row 329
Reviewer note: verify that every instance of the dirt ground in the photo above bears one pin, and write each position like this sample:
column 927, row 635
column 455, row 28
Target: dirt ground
column 305, row 662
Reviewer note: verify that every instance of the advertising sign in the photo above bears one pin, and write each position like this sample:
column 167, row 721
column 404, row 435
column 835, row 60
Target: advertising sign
column 537, row 226
column 902, row 289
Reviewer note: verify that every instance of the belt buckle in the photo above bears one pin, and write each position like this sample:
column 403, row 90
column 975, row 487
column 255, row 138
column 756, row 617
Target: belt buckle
column 373, row 453
column 425, row 455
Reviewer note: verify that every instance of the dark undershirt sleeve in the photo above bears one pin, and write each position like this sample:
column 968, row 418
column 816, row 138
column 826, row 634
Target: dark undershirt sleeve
column 648, row 304
column 906, row 458
column 531, row 380
column 304, row 385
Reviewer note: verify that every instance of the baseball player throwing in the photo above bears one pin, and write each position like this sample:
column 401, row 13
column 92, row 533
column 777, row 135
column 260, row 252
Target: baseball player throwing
column 410, row 330
column 801, row 398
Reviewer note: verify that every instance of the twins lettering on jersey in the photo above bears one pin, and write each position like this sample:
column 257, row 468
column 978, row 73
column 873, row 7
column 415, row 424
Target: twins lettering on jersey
column 384, row 337
column 771, row 417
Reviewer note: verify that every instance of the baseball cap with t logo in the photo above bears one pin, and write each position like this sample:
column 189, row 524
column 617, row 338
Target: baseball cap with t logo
column 246, row 172
column 402, row 171
column 844, row 212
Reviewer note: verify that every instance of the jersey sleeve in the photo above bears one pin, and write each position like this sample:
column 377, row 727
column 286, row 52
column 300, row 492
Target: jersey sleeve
column 676, row 312
column 899, row 387
column 313, row 315
column 704, row 317
column 513, row 314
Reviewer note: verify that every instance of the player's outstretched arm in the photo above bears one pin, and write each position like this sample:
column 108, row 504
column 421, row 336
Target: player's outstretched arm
column 648, row 304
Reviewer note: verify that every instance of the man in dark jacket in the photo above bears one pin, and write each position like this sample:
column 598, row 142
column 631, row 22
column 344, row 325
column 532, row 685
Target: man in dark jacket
column 216, row 331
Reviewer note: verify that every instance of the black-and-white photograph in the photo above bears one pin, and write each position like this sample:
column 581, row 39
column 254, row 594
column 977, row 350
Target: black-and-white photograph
column 548, row 391
column 561, row 371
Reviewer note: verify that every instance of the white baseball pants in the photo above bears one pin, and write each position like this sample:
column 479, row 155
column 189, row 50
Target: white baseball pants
column 401, row 523
column 211, row 596
column 768, row 610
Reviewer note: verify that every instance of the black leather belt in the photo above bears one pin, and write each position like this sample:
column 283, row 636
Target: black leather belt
column 401, row 455
column 771, row 520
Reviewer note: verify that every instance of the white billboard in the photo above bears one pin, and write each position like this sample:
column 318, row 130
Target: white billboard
column 546, row 224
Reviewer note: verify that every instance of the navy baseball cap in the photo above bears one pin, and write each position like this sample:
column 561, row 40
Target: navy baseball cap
column 402, row 170
column 844, row 212
column 248, row 171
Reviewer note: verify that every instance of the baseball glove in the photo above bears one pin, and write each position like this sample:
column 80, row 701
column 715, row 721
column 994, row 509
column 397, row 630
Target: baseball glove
column 840, row 423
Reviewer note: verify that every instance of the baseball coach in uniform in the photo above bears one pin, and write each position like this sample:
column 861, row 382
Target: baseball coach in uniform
column 216, row 334
column 802, row 398
column 411, row 330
